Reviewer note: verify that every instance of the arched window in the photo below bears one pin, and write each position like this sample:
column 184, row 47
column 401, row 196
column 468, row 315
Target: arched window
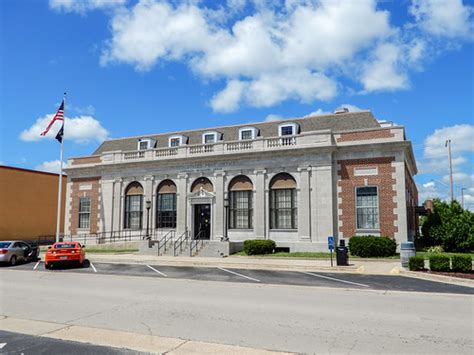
column 133, row 206
column 166, row 205
column 203, row 183
column 283, row 203
column 240, row 203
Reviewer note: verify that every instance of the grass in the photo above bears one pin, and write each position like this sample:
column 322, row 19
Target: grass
column 309, row 255
column 426, row 255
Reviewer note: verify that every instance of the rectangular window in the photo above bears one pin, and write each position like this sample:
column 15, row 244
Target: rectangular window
column 246, row 134
column 84, row 212
column 133, row 211
column 367, row 208
column 143, row 145
column 209, row 138
column 283, row 209
column 166, row 211
column 174, row 142
column 240, row 210
column 287, row 130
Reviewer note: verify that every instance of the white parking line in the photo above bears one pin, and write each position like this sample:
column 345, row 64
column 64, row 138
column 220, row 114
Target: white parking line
column 159, row 272
column 334, row 279
column 36, row 265
column 2, row 345
column 95, row 270
column 236, row 273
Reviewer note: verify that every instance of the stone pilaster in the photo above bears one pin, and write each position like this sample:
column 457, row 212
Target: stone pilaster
column 322, row 211
column 304, row 204
column 106, row 218
column 260, row 219
column 219, row 214
column 148, row 196
column 181, row 203
column 117, row 204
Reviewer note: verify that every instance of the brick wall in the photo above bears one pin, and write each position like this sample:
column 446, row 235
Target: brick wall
column 346, row 193
column 357, row 136
column 90, row 188
column 86, row 160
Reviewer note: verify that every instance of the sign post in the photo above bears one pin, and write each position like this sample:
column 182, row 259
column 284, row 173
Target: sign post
column 331, row 246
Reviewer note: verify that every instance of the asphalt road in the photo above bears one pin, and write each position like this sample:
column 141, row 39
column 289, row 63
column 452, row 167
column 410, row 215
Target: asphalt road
column 316, row 279
column 248, row 313
column 15, row 343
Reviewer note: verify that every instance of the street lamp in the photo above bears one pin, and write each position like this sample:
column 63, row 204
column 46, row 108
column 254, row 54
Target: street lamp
column 148, row 206
column 226, row 221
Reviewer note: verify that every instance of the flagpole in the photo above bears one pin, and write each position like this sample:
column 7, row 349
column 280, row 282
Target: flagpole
column 58, row 218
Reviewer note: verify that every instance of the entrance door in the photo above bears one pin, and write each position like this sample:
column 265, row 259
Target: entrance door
column 202, row 221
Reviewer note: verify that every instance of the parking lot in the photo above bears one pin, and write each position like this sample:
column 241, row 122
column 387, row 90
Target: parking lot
column 220, row 274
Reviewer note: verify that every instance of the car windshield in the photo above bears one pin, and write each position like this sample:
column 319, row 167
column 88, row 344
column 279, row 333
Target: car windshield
column 4, row 244
column 65, row 246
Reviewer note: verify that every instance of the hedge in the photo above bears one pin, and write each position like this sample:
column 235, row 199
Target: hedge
column 416, row 263
column 439, row 262
column 370, row 246
column 257, row 247
column 461, row 263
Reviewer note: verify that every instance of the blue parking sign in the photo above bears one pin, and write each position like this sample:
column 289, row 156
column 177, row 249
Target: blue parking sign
column 331, row 242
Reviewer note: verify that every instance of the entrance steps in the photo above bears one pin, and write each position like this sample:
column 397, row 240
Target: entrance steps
column 206, row 248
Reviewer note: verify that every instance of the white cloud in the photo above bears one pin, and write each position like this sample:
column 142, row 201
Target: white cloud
column 273, row 117
column 81, row 129
column 428, row 185
column 461, row 137
column 52, row 166
column 228, row 100
column 82, row 6
column 448, row 18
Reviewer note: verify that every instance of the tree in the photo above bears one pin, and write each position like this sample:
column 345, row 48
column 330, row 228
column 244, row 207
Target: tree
column 450, row 226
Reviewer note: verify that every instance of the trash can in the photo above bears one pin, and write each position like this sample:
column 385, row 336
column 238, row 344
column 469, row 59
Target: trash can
column 342, row 254
column 407, row 250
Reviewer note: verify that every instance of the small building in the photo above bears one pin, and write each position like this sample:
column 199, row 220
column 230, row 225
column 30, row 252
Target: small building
column 28, row 203
column 294, row 181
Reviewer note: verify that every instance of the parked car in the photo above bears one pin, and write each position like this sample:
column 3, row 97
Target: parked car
column 64, row 253
column 14, row 251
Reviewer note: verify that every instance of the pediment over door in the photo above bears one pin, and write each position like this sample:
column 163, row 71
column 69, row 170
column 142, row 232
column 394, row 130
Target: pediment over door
column 201, row 195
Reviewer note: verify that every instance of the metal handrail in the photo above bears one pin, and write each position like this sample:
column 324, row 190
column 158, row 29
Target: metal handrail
column 163, row 241
column 179, row 242
column 195, row 243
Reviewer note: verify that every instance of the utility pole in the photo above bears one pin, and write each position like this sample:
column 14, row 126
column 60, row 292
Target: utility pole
column 462, row 197
column 448, row 144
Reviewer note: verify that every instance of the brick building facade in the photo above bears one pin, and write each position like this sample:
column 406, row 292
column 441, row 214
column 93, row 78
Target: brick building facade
column 293, row 181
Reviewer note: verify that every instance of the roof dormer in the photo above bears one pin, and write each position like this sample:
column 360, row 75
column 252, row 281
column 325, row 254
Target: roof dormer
column 177, row 140
column 146, row 143
column 248, row 132
column 288, row 129
column 210, row 137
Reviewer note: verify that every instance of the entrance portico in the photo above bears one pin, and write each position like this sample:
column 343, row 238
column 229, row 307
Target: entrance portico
column 200, row 206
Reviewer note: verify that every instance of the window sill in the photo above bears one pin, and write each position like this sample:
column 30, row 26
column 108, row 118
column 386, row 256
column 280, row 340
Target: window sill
column 375, row 232
column 284, row 230
column 240, row 229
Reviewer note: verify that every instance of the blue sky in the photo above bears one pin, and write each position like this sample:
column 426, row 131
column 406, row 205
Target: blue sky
column 138, row 67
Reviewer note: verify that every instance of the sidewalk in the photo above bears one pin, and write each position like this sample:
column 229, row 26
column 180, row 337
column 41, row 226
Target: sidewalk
column 244, row 262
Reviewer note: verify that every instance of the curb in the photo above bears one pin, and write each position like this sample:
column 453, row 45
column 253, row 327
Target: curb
column 438, row 278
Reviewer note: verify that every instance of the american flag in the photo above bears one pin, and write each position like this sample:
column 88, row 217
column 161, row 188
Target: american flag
column 59, row 116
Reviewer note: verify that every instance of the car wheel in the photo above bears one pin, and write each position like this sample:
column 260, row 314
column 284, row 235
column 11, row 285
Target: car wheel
column 13, row 260
column 47, row 266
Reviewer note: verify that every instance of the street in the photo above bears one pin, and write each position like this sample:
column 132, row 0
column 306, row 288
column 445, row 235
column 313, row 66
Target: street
column 328, row 316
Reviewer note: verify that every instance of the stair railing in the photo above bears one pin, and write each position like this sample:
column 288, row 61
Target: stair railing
column 195, row 244
column 179, row 242
column 164, row 241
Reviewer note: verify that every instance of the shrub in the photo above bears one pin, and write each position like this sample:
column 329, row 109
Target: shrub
column 370, row 246
column 438, row 249
column 416, row 263
column 439, row 262
column 461, row 263
column 256, row 247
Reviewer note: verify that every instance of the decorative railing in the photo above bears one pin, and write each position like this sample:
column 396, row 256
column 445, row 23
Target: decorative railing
column 133, row 155
column 281, row 142
column 167, row 152
column 241, row 145
column 201, row 149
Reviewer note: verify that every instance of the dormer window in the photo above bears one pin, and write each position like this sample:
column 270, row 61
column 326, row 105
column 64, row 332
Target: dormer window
column 144, row 144
column 210, row 137
column 287, row 129
column 247, row 133
column 176, row 141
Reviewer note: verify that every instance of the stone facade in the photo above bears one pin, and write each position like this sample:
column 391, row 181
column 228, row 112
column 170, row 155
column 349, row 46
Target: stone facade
column 325, row 164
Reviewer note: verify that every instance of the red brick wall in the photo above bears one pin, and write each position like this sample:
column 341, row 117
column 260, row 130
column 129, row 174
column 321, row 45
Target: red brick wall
column 386, row 193
column 358, row 136
column 93, row 193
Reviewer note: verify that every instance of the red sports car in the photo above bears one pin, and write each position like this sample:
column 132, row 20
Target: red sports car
column 64, row 252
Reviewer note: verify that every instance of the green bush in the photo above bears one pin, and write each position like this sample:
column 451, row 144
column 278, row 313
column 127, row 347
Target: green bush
column 258, row 247
column 439, row 262
column 438, row 249
column 370, row 246
column 416, row 263
column 461, row 263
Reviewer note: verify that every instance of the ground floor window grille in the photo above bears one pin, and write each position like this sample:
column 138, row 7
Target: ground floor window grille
column 84, row 212
column 166, row 211
column 283, row 209
column 133, row 211
column 240, row 210
column 367, row 208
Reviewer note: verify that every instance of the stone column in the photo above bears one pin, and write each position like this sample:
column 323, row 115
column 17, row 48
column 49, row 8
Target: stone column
column 181, row 203
column 107, row 193
column 117, row 213
column 322, row 203
column 259, row 208
column 400, row 211
column 218, row 208
column 304, row 204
